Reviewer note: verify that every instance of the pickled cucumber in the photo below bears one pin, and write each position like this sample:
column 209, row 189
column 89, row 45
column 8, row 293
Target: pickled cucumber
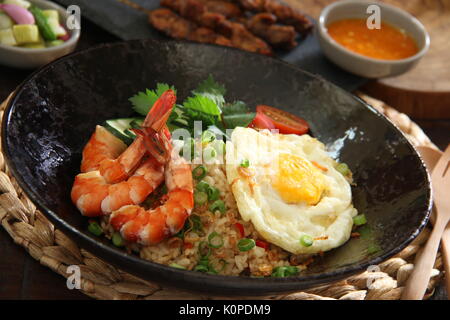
column 5, row 21
column 26, row 33
column 7, row 37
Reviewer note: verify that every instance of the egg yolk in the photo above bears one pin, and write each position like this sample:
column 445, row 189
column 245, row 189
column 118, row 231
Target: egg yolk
column 298, row 180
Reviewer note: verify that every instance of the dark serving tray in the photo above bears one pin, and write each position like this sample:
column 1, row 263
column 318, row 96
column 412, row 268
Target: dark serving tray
column 128, row 23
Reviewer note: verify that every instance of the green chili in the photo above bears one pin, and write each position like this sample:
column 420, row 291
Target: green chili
column 246, row 244
column 200, row 198
column 218, row 205
column 359, row 220
column 117, row 240
column 95, row 228
column 306, row 241
column 215, row 240
column 199, row 173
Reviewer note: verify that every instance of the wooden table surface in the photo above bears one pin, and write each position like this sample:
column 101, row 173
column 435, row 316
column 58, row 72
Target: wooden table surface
column 22, row 277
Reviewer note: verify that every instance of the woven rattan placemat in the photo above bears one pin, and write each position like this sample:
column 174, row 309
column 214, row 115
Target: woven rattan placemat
column 32, row 230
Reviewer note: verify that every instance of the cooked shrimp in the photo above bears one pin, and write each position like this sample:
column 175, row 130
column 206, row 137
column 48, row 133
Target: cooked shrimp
column 152, row 226
column 106, row 153
column 115, row 179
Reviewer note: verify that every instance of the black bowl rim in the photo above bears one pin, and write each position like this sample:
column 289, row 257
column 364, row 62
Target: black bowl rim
column 237, row 284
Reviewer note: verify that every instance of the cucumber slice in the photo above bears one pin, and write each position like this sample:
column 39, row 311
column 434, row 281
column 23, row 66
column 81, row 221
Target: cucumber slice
column 7, row 37
column 121, row 129
column 5, row 21
column 21, row 3
column 26, row 33
column 51, row 14
column 56, row 27
column 137, row 123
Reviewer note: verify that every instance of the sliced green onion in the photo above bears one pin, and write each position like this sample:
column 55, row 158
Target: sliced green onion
column 219, row 146
column 188, row 150
column 117, row 240
column 201, row 268
column 245, row 163
column 202, row 186
column 95, row 228
column 343, row 169
column 246, row 244
column 218, row 205
column 213, row 194
column 196, row 223
column 176, row 265
column 224, row 264
column 281, row 272
column 208, row 136
column 204, row 261
column 199, row 173
column 306, row 241
column 359, row 220
column 291, row 270
column 215, row 240
column 204, row 250
column 209, row 154
column 200, row 198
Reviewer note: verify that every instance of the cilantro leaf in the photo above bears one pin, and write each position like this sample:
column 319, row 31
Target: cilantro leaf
column 211, row 86
column 235, row 107
column 232, row 121
column 203, row 104
column 143, row 101
column 237, row 114
column 211, row 89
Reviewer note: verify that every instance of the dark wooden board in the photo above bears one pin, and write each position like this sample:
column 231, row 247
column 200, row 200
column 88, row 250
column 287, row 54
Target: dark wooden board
column 127, row 23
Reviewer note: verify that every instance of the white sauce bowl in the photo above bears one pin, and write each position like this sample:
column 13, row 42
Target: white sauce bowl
column 26, row 58
column 362, row 65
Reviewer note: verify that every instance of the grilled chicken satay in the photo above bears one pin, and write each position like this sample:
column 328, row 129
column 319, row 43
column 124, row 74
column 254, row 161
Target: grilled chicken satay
column 174, row 26
column 263, row 25
column 240, row 36
column 228, row 9
column 284, row 13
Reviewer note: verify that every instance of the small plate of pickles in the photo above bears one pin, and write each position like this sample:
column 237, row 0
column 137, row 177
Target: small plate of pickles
column 34, row 33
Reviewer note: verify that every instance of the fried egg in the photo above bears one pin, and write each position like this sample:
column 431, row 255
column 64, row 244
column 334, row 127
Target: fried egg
column 288, row 187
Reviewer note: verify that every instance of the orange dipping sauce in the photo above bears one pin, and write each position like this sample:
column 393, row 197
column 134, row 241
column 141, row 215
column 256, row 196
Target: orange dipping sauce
column 387, row 43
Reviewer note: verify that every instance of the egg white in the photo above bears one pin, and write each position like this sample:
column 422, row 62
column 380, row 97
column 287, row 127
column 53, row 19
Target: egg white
column 281, row 223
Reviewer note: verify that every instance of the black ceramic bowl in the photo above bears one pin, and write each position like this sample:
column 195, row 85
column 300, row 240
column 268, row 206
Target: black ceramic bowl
column 54, row 112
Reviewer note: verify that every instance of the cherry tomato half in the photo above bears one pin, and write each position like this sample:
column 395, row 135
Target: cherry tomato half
column 284, row 121
column 261, row 121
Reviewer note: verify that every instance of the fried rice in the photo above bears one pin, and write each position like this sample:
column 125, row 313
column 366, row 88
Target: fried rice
column 186, row 252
